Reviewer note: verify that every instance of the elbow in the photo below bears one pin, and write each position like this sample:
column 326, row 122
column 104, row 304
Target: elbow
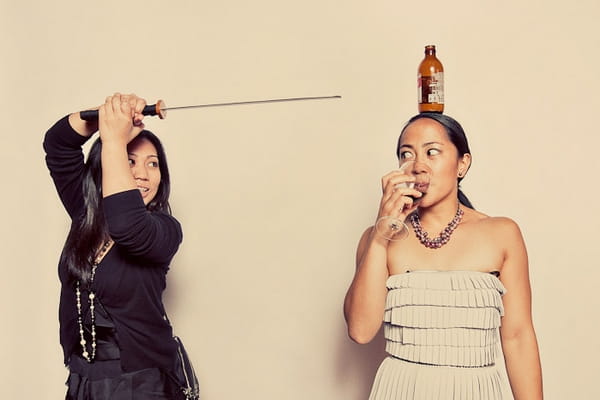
column 360, row 339
column 523, row 333
column 363, row 322
column 361, row 335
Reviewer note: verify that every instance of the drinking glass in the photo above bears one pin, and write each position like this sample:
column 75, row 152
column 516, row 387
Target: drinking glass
column 393, row 227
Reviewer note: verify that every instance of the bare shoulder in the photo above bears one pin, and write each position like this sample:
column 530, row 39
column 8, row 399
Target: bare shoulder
column 500, row 227
column 475, row 216
column 365, row 235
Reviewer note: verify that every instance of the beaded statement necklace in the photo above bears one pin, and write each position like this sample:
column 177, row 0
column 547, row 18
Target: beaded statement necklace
column 89, row 357
column 445, row 234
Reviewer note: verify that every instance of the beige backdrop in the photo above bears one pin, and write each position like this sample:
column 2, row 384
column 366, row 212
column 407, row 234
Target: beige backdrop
column 273, row 198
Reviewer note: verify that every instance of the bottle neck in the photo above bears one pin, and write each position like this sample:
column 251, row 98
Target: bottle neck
column 430, row 50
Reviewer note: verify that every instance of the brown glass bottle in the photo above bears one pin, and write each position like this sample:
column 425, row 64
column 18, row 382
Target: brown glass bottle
column 430, row 83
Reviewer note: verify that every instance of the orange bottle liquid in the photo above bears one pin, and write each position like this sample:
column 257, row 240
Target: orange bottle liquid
column 430, row 83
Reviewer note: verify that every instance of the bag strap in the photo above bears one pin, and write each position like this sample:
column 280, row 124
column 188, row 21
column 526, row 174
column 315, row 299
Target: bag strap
column 190, row 388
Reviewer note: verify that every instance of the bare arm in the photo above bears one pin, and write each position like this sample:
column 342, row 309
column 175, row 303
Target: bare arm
column 364, row 304
column 365, row 300
column 120, row 120
column 519, row 341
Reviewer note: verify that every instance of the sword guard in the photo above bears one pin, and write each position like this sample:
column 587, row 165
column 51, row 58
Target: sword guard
column 156, row 109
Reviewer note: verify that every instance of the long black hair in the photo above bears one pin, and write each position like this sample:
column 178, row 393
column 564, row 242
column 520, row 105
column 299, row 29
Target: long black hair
column 457, row 136
column 89, row 232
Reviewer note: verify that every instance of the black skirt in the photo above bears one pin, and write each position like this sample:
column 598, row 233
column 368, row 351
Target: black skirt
column 104, row 378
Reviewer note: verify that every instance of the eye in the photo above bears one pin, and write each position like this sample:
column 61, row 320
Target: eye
column 153, row 164
column 433, row 152
column 406, row 155
column 131, row 162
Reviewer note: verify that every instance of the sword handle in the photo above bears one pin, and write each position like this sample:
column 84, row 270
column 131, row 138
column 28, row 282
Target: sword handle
column 151, row 110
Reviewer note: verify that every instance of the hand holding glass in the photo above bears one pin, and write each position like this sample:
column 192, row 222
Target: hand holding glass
column 392, row 227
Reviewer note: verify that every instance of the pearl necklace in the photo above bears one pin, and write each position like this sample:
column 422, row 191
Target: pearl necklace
column 91, row 296
column 444, row 236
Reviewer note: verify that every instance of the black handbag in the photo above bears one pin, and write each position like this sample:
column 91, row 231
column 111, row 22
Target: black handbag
column 185, row 377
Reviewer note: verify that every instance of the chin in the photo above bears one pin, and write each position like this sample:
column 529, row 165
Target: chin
column 148, row 199
column 422, row 203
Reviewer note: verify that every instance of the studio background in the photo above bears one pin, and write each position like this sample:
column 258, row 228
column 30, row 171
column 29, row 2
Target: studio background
column 273, row 198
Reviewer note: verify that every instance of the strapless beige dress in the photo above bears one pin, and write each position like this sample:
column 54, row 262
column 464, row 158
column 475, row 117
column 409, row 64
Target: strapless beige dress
column 442, row 337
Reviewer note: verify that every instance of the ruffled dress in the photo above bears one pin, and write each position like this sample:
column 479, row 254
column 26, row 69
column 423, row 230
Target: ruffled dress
column 442, row 337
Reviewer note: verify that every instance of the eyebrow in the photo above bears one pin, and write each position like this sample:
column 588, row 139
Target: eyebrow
column 424, row 144
column 135, row 154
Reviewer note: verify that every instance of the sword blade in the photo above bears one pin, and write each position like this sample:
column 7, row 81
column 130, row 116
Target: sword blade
column 237, row 103
column 160, row 109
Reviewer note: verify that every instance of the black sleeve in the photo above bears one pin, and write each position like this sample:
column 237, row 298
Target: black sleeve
column 64, row 158
column 153, row 236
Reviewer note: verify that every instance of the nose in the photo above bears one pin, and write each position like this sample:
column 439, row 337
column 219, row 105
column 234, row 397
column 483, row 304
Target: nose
column 421, row 168
column 139, row 172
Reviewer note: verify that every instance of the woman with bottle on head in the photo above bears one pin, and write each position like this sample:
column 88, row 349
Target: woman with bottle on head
column 116, row 338
column 447, row 301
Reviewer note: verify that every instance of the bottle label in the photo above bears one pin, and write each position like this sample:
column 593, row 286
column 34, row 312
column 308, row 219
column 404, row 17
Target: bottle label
column 431, row 88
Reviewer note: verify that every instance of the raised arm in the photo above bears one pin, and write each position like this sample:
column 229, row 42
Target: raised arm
column 120, row 120
column 154, row 236
column 364, row 304
column 64, row 157
column 83, row 128
column 519, row 341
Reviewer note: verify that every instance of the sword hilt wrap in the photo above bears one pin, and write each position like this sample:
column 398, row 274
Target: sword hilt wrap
column 152, row 109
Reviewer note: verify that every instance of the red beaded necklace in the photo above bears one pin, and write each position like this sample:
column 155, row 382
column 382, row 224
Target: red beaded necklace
column 444, row 235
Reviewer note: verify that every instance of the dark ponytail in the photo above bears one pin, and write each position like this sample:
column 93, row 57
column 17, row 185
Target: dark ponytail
column 462, row 198
column 457, row 136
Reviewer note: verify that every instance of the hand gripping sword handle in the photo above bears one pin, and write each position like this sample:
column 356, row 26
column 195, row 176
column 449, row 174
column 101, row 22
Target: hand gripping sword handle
column 151, row 110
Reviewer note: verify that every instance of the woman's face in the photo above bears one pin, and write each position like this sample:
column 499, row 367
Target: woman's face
column 143, row 160
column 427, row 142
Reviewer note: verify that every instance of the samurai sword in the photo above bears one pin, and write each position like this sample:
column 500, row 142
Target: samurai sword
column 161, row 109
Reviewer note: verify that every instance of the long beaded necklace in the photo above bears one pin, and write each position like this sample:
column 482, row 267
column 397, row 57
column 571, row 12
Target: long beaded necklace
column 91, row 296
column 445, row 234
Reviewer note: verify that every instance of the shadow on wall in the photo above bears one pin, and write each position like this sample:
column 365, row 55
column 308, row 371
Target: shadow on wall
column 358, row 363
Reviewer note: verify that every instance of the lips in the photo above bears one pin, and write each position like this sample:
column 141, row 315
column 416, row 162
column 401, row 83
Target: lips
column 421, row 187
column 143, row 190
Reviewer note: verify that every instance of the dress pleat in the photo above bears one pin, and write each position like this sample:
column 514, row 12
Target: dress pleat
column 442, row 336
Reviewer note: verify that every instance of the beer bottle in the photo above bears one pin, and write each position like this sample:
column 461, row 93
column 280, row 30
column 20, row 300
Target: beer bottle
column 430, row 83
